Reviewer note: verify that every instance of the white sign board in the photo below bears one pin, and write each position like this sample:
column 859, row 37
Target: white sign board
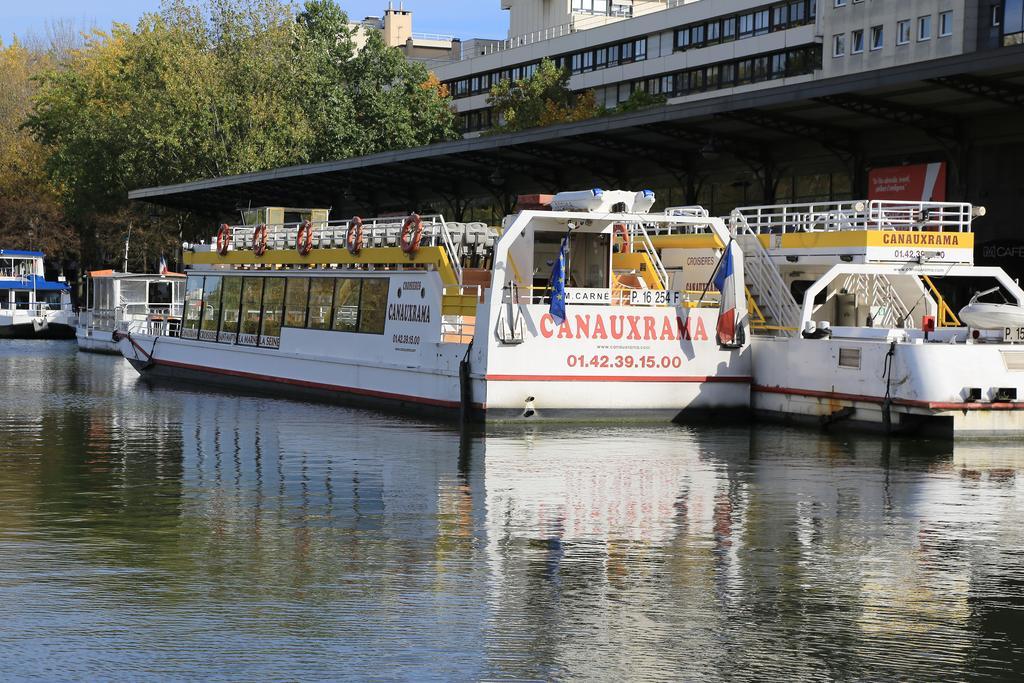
column 580, row 295
column 654, row 297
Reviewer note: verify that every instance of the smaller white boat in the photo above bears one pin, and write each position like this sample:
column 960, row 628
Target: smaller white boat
column 117, row 300
column 980, row 315
column 32, row 307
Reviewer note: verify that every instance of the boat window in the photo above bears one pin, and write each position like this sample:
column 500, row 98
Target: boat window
column 346, row 305
column 161, row 293
column 21, row 300
column 230, row 306
column 799, row 287
column 211, row 308
column 296, row 300
column 5, row 298
column 321, row 292
column 252, row 301
column 193, row 306
column 589, row 256
column 273, row 309
column 373, row 305
column 50, row 298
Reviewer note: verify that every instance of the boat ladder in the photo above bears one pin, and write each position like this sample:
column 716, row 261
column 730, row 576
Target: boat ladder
column 766, row 287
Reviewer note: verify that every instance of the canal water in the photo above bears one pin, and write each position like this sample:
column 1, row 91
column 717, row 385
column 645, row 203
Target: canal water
column 170, row 532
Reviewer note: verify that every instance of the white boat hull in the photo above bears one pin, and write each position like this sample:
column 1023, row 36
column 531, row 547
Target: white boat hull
column 930, row 389
column 96, row 341
column 531, row 380
column 16, row 324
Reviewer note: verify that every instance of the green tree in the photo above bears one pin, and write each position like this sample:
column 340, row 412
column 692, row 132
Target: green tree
column 31, row 216
column 219, row 87
column 542, row 99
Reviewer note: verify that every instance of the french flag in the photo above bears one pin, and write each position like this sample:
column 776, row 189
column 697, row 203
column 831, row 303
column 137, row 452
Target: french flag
column 725, row 282
column 163, row 266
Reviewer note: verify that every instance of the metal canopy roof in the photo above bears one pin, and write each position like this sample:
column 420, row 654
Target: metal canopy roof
column 924, row 105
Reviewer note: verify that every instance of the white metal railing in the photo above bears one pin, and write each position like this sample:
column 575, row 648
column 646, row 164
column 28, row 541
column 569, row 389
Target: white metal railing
column 458, row 239
column 881, row 296
column 763, row 279
column 684, row 228
column 433, row 36
column 582, row 21
column 154, row 325
column 860, row 215
column 36, row 307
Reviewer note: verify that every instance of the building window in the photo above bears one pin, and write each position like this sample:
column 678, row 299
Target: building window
column 839, row 45
column 761, row 22
column 945, row 24
column 924, row 28
column 729, row 29
column 997, row 15
column 857, row 42
column 840, row 3
column 746, row 22
column 640, row 50
column 780, row 17
column 877, row 37
column 903, row 32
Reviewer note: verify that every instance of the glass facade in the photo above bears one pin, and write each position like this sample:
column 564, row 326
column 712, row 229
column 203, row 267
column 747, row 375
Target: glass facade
column 253, row 310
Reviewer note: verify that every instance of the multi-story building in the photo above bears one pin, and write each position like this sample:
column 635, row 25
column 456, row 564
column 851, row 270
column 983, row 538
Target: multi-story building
column 701, row 48
column 395, row 27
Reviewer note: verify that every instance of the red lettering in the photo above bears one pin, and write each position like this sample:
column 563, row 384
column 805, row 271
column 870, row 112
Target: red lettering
column 667, row 333
column 650, row 332
column 599, row 331
column 634, row 327
column 617, row 333
column 701, row 334
column 684, row 328
column 547, row 323
column 583, row 327
column 564, row 331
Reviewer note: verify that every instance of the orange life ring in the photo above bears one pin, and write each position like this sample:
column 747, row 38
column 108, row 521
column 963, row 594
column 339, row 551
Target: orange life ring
column 259, row 240
column 354, row 236
column 223, row 239
column 412, row 234
column 620, row 229
column 304, row 239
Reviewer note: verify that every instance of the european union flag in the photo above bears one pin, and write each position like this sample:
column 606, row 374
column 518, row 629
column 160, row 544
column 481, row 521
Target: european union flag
column 557, row 309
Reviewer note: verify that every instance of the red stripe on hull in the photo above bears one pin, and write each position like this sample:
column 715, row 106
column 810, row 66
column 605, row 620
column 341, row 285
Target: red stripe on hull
column 930, row 405
column 616, row 378
column 316, row 385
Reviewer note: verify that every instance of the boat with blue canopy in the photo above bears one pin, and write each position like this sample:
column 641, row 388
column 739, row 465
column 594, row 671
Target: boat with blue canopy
column 32, row 307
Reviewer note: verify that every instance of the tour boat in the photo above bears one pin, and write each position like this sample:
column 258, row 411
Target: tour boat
column 32, row 307
column 564, row 313
column 849, row 325
column 115, row 300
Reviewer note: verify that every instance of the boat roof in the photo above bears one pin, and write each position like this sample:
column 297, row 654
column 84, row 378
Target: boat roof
column 132, row 276
column 21, row 252
column 33, row 282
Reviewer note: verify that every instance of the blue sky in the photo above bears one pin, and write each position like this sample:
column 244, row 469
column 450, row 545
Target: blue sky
column 462, row 18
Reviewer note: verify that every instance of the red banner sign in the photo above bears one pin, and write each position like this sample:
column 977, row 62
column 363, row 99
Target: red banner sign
column 916, row 183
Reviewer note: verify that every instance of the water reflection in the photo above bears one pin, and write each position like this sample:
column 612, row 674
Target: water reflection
column 158, row 531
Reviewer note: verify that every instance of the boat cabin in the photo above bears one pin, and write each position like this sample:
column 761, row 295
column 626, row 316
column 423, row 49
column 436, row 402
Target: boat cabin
column 23, row 285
